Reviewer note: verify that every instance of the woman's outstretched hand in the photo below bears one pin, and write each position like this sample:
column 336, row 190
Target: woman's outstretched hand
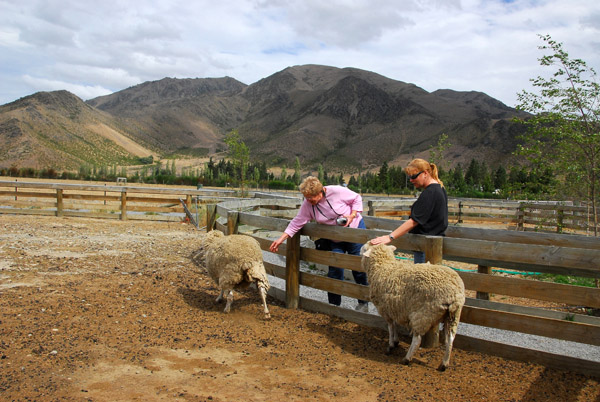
column 381, row 240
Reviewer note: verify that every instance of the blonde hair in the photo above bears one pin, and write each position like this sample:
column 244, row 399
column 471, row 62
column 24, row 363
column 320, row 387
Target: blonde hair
column 311, row 186
column 421, row 165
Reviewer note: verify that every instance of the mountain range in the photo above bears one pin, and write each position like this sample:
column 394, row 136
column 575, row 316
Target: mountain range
column 343, row 118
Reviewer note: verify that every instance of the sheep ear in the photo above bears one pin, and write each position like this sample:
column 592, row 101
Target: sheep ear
column 393, row 248
column 367, row 253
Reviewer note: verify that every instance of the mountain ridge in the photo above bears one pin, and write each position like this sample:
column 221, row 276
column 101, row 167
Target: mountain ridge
column 342, row 118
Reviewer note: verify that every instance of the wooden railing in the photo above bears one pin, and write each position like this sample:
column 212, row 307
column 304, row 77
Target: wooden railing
column 531, row 252
column 104, row 201
column 519, row 215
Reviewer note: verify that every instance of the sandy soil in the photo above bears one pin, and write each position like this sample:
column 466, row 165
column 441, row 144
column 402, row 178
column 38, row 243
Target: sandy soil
column 121, row 140
column 99, row 310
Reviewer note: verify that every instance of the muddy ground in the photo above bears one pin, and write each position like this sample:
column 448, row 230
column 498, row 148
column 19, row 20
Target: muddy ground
column 104, row 310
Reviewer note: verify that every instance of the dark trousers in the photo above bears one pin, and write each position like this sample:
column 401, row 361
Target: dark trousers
column 343, row 247
column 419, row 257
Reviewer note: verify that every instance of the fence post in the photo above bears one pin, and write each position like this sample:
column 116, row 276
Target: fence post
column 560, row 215
column 124, row 205
column 59, row 202
column 433, row 249
column 371, row 211
column 482, row 269
column 520, row 217
column 211, row 216
column 433, row 255
column 232, row 222
column 292, row 272
column 460, row 212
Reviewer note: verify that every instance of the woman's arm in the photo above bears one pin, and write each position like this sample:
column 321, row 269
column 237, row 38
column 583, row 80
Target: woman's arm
column 275, row 245
column 401, row 230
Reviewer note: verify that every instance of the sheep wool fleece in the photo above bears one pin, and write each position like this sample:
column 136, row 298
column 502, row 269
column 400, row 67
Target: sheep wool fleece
column 415, row 295
column 233, row 262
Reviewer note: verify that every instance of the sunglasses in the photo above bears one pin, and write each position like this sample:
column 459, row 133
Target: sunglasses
column 414, row 176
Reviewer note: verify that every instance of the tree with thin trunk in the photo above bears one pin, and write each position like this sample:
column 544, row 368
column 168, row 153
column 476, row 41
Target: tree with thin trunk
column 564, row 130
column 239, row 153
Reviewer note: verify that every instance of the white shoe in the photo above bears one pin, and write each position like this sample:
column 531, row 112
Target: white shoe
column 362, row 307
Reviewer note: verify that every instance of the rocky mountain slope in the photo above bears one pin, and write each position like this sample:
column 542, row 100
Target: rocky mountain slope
column 58, row 130
column 343, row 118
column 358, row 118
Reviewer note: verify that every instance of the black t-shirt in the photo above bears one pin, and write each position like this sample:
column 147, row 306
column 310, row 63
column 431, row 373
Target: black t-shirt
column 430, row 211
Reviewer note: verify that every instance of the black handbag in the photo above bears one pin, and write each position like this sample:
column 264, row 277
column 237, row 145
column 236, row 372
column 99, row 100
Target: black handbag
column 323, row 244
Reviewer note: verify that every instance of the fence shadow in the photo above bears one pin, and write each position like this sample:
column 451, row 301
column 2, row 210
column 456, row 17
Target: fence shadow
column 561, row 390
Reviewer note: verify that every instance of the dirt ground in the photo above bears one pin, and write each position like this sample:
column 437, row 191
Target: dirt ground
column 104, row 310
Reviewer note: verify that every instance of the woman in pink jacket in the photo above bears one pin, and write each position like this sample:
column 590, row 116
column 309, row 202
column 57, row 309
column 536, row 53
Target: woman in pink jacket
column 329, row 205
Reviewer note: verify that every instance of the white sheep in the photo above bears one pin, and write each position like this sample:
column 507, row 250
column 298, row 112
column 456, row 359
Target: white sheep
column 417, row 296
column 233, row 262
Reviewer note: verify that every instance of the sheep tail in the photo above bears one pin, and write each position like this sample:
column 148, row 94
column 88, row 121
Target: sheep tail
column 453, row 318
column 254, row 272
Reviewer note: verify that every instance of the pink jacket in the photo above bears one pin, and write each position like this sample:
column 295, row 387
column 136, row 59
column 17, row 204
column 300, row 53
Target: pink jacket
column 343, row 201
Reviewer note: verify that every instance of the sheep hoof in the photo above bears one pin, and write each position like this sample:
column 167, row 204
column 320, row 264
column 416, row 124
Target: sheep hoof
column 442, row 367
column 389, row 350
column 267, row 316
column 405, row 361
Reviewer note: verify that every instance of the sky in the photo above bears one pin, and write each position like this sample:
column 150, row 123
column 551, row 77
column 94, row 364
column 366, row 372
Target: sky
column 94, row 48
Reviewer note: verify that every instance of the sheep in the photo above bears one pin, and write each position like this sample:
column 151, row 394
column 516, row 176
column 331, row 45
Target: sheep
column 233, row 262
column 418, row 296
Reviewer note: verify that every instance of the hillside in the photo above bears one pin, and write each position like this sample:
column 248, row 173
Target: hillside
column 346, row 119
column 58, row 130
column 174, row 114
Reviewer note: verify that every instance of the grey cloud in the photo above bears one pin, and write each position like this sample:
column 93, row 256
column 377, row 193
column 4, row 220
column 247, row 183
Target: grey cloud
column 350, row 24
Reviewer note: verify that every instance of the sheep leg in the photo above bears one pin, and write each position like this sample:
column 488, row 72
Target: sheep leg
column 449, row 335
column 263, row 296
column 392, row 337
column 229, row 301
column 414, row 345
column 220, row 296
column 396, row 341
column 450, row 329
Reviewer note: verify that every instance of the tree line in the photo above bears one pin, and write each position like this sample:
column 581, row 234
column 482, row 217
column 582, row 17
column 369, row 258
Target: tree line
column 473, row 180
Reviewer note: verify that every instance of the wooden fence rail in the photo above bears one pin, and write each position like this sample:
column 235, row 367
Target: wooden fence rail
column 103, row 201
column 523, row 216
column 540, row 253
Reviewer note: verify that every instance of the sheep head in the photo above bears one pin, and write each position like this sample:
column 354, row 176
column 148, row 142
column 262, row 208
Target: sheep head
column 377, row 253
column 368, row 249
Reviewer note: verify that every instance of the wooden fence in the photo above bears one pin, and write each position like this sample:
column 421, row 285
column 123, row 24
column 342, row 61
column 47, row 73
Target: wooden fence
column 519, row 215
column 531, row 252
column 104, row 201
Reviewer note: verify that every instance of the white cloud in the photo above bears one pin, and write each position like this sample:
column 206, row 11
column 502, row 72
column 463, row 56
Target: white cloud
column 83, row 91
column 91, row 47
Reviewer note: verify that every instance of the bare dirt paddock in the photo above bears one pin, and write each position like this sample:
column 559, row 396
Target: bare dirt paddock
column 99, row 310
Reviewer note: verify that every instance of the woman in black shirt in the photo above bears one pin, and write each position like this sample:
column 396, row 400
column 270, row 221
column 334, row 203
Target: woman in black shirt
column 429, row 214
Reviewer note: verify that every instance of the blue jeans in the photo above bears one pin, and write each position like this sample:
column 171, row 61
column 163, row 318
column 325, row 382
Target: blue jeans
column 419, row 257
column 343, row 247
